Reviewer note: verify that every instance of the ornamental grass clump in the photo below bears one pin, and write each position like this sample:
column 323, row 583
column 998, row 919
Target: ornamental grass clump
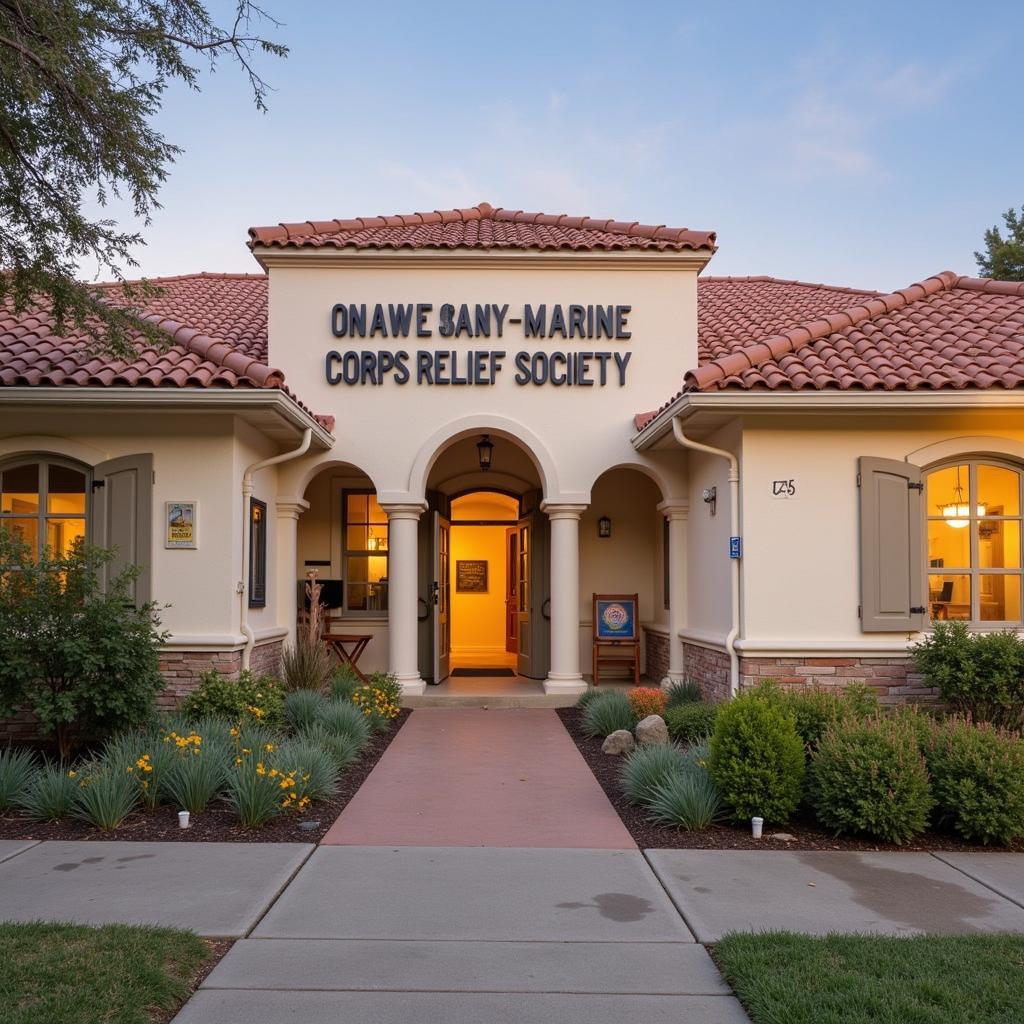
column 870, row 778
column 977, row 774
column 51, row 793
column 646, row 700
column 308, row 665
column 343, row 718
column 105, row 796
column 199, row 772
column 303, row 708
column 17, row 768
column 253, row 793
column 756, row 757
column 683, row 691
column 607, row 713
column 691, row 722
column 344, row 682
column 647, row 767
column 592, row 693
column 689, row 800
column 342, row 749
column 146, row 757
column 311, row 766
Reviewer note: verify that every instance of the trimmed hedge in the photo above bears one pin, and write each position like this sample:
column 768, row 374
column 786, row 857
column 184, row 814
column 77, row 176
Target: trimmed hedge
column 690, row 723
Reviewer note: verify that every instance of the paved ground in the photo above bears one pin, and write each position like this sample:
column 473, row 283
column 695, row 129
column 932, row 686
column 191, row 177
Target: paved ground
column 469, row 777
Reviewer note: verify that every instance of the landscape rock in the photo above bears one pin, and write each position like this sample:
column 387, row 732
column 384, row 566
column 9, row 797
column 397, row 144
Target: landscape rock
column 652, row 730
column 783, row 837
column 618, row 742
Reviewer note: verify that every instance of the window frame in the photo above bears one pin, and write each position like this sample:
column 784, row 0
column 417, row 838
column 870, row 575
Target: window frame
column 975, row 571
column 346, row 553
column 257, row 555
column 45, row 460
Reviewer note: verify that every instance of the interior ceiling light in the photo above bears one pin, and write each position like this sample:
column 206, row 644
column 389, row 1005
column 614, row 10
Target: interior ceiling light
column 959, row 508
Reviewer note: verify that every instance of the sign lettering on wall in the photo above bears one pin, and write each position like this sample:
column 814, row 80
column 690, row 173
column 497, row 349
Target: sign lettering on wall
column 572, row 368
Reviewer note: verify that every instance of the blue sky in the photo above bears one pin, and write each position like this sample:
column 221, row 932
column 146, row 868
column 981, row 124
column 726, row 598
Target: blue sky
column 865, row 144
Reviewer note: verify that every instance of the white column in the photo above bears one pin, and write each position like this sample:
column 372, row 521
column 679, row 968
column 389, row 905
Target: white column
column 288, row 511
column 564, row 675
column 677, row 514
column 403, row 573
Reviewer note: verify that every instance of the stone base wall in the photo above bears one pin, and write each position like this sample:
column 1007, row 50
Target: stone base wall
column 893, row 679
column 182, row 670
column 656, row 653
column 709, row 669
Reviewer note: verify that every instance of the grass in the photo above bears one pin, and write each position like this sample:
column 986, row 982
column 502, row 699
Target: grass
column 72, row 974
column 783, row 978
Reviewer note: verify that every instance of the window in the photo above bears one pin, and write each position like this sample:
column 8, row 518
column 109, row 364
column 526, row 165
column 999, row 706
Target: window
column 364, row 565
column 257, row 553
column 973, row 512
column 44, row 503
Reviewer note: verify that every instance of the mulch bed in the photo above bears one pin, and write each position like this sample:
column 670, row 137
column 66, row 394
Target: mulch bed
column 806, row 835
column 218, row 823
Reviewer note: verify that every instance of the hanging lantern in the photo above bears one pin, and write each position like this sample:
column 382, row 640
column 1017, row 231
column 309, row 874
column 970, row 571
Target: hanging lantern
column 485, row 450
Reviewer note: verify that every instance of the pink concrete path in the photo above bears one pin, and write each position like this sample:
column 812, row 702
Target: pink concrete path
column 471, row 777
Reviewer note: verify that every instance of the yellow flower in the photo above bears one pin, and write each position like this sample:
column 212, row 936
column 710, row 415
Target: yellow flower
column 234, row 731
column 269, row 748
column 72, row 774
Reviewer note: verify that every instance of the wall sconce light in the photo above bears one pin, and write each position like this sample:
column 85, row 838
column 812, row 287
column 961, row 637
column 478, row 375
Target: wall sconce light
column 485, row 450
column 711, row 498
column 604, row 527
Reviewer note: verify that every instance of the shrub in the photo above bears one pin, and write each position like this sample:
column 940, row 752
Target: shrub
column 815, row 710
column 341, row 718
column 376, row 705
column 75, row 650
column 344, row 682
column 684, row 691
column 981, row 675
column 306, row 666
column 341, row 748
column 253, row 793
column 978, row 780
column 608, row 713
column 646, row 700
column 248, row 698
column 309, row 765
column 17, row 768
column 647, row 767
column 389, row 686
column 688, row 800
column 199, row 772
column 51, row 793
column 303, row 708
column 756, row 757
column 105, row 796
column 870, row 777
column 690, row 722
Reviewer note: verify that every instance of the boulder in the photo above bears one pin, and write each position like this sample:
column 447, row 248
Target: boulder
column 618, row 742
column 652, row 730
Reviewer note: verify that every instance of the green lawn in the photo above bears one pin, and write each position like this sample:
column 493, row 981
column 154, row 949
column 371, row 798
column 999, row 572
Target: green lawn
column 118, row 974
column 783, row 978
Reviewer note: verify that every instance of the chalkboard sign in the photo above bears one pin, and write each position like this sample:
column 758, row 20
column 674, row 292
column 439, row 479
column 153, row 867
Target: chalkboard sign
column 471, row 576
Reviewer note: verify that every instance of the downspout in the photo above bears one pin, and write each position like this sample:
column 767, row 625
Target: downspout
column 243, row 586
column 734, row 531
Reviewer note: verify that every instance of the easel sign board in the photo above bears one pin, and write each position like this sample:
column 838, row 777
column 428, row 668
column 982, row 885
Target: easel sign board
column 615, row 617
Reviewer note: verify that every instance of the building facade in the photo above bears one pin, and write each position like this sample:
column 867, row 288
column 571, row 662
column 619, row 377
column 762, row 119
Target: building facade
column 461, row 422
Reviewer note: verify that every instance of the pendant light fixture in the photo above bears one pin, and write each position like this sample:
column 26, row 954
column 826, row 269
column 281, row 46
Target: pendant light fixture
column 956, row 511
column 485, row 451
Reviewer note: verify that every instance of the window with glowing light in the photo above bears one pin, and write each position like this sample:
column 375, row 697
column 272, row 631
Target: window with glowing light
column 974, row 542
column 43, row 501
column 365, row 553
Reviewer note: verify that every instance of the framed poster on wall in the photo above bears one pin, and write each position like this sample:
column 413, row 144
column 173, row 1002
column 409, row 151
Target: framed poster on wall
column 181, row 520
column 471, row 576
column 615, row 617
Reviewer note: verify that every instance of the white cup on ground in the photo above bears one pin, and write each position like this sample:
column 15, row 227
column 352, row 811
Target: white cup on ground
column 756, row 825
column 183, row 819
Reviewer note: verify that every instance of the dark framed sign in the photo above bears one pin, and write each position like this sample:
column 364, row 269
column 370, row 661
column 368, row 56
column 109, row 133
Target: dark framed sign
column 615, row 617
column 471, row 576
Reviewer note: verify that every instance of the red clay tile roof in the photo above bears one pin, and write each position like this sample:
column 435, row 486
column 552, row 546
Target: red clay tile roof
column 480, row 227
column 217, row 322
column 945, row 333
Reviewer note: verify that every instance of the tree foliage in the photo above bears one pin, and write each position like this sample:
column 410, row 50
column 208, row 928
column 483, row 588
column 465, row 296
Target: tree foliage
column 1003, row 258
column 83, row 658
column 80, row 84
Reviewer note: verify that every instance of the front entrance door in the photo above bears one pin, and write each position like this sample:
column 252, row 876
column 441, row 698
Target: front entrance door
column 511, row 589
column 533, row 633
column 442, row 591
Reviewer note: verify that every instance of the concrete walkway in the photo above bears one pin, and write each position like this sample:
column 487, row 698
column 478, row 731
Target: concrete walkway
column 470, row 777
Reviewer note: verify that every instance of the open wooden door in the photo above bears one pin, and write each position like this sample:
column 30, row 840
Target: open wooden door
column 442, row 592
column 511, row 589
column 533, row 632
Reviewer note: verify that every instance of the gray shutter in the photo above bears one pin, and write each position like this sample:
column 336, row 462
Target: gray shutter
column 891, row 541
column 122, row 510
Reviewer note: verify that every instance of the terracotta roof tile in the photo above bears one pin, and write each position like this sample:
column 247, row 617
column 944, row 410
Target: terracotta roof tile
column 480, row 227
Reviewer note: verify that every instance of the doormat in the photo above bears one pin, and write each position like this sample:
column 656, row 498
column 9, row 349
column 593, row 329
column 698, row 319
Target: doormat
column 483, row 672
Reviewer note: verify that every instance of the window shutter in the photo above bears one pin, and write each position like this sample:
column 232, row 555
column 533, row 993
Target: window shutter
column 123, row 517
column 891, row 540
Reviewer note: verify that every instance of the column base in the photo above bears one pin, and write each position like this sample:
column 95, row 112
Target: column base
column 565, row 684
column 412, row 686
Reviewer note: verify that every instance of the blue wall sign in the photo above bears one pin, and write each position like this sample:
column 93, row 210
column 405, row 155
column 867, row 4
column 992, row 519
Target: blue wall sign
column 735, row 547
